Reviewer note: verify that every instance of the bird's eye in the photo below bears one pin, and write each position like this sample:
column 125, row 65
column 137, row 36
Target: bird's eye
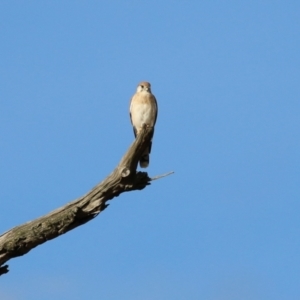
column 142, row 86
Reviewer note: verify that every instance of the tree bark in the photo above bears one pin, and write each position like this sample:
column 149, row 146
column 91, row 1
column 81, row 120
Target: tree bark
column 21, row 239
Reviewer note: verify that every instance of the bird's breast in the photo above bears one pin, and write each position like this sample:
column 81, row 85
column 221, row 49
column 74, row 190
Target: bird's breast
column 142, row 112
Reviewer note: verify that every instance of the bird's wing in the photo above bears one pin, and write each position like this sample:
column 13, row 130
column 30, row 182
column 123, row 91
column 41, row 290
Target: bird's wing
column 130, row 107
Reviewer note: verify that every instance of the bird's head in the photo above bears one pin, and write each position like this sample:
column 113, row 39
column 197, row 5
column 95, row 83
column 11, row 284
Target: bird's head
column 144, row 86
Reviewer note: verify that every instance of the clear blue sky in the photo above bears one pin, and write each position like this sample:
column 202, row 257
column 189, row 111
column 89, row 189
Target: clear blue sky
column 226, row 75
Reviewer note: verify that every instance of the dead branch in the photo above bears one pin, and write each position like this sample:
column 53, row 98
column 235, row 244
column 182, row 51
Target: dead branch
column 21, row 239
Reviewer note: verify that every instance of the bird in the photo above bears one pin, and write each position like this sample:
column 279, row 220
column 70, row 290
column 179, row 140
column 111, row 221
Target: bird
column 143, row 110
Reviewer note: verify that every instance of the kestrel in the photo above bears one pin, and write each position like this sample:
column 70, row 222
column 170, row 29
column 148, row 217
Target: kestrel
column 143, row 110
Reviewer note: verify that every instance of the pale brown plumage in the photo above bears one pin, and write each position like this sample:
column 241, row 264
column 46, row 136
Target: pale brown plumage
column 143, row 110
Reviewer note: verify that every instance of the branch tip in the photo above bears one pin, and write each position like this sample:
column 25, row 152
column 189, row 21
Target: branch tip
column 161, row 176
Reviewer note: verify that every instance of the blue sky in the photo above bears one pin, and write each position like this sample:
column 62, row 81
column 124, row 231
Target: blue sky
column 226, row 76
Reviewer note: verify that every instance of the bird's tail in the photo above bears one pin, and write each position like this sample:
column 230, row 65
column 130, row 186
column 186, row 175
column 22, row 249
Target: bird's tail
column 144, row 160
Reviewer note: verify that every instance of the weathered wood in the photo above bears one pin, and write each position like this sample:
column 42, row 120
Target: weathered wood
column 21, row 239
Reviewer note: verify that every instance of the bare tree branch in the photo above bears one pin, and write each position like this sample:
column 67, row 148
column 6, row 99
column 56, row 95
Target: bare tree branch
column 21, row 239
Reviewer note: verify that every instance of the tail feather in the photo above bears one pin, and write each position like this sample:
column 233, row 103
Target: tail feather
column 144, row 160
